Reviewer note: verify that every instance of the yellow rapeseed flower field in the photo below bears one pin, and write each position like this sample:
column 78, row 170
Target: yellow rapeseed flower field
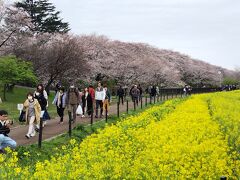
column 193, row 139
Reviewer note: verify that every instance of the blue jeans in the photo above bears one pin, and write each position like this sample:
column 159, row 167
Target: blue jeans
column 6, row 141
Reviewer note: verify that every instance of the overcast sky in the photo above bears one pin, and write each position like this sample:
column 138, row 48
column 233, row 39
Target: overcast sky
column 204, row 29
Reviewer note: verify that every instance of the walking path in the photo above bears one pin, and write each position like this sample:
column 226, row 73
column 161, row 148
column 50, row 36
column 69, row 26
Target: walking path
column 53, row 129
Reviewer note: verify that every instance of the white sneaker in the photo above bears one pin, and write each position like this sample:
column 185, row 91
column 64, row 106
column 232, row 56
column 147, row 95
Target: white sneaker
column 83, row 116
column 44, row 123
column 27, row 136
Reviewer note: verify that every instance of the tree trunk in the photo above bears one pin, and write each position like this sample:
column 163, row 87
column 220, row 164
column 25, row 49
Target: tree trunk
column 11, row 87
column 47, row 88
column 4, row 92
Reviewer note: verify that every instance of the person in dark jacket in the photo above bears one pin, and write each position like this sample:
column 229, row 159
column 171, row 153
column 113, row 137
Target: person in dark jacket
column 90, row 100
column 5, row 141
column 153, row 92
column 39, row 95
column 135, row 94
column 120, row 94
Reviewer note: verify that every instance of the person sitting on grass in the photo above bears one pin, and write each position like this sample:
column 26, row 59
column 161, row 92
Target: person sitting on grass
column 5, row 141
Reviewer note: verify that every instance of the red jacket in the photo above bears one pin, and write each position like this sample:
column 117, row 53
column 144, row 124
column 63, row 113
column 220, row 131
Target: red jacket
column 92, row 93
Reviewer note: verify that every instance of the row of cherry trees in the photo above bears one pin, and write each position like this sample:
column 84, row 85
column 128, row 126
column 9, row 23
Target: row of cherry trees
column 72, row 58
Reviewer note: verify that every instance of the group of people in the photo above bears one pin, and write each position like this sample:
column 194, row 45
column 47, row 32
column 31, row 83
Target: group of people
column 228, row 87
column 87, row 100
column 136, row 93
column 153, row 91
column 187, row 90
column 35, row 108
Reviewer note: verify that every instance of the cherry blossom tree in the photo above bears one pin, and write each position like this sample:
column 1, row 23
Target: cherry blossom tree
column 15, row 25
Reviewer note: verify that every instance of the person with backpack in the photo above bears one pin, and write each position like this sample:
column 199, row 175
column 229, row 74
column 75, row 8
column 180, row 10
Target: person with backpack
column 99, row 98
column 135, row 94
column 5, row 141
column 73, row 101
column 120, row 94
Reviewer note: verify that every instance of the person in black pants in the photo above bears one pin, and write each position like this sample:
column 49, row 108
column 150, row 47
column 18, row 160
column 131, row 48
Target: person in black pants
column 60, row 102
column 99, row 98
column 120, row 94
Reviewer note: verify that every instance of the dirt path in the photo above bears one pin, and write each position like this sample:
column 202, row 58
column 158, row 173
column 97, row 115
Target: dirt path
column 53, row 129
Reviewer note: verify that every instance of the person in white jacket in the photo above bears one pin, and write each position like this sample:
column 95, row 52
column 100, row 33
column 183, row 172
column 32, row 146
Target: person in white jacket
column 99, row 97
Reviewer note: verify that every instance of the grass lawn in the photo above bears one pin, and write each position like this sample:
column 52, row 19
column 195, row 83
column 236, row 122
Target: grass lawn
column 18, row 96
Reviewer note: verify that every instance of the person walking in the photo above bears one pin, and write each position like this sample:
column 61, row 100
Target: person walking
column 42, row 99
column 140, row 91
column 40, row 89
column 60, row 102
column 58, row 86
column 99, row 97
column 33, row 111
column 107, row 100
column 135, row 94
column 5, row 141
column 90, row 100
column 79, row 108
column 157, row 91
column 130, row 93
column 84, row 101
column 153, row 93
column 73, row 101
column 120, row 94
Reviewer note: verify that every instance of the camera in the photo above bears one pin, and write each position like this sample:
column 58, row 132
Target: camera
column 10, row 122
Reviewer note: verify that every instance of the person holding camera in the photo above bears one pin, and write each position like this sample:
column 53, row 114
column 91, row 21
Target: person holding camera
column 5, row 141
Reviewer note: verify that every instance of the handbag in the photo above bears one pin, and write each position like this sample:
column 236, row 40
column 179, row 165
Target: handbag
column 22, row 117
column 45, row 115
column 79, row 110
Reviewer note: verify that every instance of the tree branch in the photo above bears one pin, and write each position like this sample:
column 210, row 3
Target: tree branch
column 7, row 38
